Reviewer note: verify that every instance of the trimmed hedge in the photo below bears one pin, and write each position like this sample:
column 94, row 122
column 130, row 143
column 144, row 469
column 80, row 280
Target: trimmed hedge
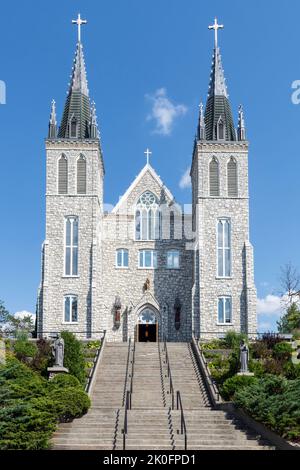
column 235, row 383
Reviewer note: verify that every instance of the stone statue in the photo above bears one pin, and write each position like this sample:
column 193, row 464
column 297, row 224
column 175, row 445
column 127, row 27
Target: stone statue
column 58, row 349
column 147, row 285
column 244, row 357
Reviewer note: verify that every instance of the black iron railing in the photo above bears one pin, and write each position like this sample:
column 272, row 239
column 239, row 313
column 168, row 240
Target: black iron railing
column 182, row 420
column 132, row 369
column 126, row 374
column 167, row 361
column 125, row 428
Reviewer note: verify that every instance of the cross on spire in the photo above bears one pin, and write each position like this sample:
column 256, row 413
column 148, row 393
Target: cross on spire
column 216, row 27
column 148, row 154
column 79, row 23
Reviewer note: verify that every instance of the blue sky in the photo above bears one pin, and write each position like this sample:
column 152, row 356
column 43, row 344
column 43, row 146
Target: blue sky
column 138, row 52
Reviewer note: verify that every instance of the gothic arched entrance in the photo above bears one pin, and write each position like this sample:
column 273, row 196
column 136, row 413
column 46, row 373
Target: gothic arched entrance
column 147, row 326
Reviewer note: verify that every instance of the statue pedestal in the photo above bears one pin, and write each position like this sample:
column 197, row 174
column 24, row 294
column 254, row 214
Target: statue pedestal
column 55, row 370
column 249, row 374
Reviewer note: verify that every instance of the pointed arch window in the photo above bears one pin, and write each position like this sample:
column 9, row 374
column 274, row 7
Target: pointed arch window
column 81, row 175
column 221, row 130
column 214, row 178
column 224, row 247
column 63, row 175
column 147, row 217
column 73, row 127
column 232, row 183
column 71, row 246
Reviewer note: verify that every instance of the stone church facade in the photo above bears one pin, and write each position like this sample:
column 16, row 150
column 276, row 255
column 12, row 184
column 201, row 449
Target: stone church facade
column 146, row 270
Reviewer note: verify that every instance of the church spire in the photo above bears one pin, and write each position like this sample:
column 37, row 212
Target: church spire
column 76, row 120
column 218, row 115
column 52, row 134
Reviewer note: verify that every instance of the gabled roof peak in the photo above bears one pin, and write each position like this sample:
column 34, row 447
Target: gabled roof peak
column 156, row 177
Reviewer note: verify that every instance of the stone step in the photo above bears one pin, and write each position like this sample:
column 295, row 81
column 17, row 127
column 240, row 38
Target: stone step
column 82, row 447
column 82, row 440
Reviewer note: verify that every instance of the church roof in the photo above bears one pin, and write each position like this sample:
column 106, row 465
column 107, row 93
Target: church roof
column 218, row 106
column 156, row 177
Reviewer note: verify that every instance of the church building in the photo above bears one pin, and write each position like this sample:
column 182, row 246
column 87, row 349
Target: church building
column 146, row 270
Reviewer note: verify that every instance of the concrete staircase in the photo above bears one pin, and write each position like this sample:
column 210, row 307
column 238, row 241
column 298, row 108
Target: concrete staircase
column 152, row 424
column 98, row 428
column 207, row 428
column 149, row 420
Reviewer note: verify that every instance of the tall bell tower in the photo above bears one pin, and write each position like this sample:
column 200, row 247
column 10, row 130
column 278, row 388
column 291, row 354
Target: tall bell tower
column 71, row 262
column 224, row 294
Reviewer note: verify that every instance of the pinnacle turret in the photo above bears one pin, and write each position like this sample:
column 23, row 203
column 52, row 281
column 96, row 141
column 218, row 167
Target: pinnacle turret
column 52, row 133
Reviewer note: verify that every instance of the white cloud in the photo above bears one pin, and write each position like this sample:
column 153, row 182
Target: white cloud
column 164, row 112
column 24, row 313
column 270, row 305
column 185, row 180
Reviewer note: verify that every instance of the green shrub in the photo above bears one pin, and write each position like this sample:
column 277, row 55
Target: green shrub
column 74, row 357
column 69, row 402
column 22, row 426
column 233, row 339
column 43, row 359
column 24, row 349
column 275, row 402
column 233, row 384
column 92, row 344
column 257, row 367
column 283, row 351
column 213, row 344
column 291, row 371
column 296, row 334
column 31, row 406
column 64, row 381
column 211, row 355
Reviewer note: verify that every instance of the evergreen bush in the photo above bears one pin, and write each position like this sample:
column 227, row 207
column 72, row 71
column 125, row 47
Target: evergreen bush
column 233, row 384
column 282, row 351
column 74, row 357
column 275, row 402
column 31, row 406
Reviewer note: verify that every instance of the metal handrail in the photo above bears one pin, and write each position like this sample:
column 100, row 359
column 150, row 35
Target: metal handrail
column 132, row 370
column 126, row 374
column 125, row 428
column 182, row 419
column 171, row 388
column 91, row 375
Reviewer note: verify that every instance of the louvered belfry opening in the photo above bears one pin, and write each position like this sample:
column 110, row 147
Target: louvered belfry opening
column 214, row 178
column 63, row 175
column 232, row 178
column 81, row 175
